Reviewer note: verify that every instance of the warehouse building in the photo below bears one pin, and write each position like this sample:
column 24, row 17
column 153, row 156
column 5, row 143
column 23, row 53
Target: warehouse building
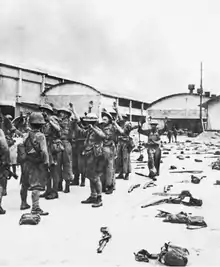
column 212, row 107
column 182, row 110
column 23, row 89
column 81, row 94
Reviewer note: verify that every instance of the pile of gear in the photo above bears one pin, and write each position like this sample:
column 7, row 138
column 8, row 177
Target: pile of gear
column 169, row 255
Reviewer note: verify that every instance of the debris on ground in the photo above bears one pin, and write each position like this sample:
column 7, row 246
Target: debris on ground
column 172, row 167
column 132, row 187
column 149, row 184
column 198, row 160
column 216, row 165
column 196, row 180
column 29, row 219
column 106, row 236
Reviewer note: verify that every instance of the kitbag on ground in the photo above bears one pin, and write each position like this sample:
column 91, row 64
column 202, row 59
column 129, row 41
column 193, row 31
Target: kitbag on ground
column 171, row 255
column 29, row 219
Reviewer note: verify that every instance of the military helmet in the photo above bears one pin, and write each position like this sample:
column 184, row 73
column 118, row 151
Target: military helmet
column 36, row 118
column 65, row 110
column 153, row 122
column 107, row 114
column 8, row 116
column 90, row 117
column 47, row 107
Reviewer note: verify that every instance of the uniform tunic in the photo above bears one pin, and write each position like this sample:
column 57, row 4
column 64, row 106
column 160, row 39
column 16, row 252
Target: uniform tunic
column 153, row 150
column 65, row 158
column 35, row 168
column 4, row 158
column 123, row 161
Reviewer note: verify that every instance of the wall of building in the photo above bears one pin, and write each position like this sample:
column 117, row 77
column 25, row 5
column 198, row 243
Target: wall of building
column 78, row 94
column 22, row 85
column 213, row 116
column 183, row 106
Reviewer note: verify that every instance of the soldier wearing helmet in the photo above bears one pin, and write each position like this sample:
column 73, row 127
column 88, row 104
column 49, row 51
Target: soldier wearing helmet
column 111, row 130
column 4, row 161
column 93, row 153
column 124, row 146
column 153, row 147
column 51, row 130
column 35, row 167
column 65, row 157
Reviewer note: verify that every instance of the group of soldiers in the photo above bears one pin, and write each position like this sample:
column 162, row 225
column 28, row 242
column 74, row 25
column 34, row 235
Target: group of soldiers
column 59, row 148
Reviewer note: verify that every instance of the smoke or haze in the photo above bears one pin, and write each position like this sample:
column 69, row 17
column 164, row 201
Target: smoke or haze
column 146, row 49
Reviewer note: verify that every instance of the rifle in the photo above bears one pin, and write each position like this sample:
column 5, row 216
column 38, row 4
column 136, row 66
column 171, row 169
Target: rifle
column 158, row 202
column 9, row 172
column 149, row 184
column 133, row 187
column 106, row 236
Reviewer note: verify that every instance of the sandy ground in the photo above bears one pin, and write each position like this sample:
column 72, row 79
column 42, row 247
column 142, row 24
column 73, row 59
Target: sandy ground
column 70, row 234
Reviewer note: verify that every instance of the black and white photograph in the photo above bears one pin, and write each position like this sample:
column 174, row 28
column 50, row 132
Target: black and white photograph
column 109, row 133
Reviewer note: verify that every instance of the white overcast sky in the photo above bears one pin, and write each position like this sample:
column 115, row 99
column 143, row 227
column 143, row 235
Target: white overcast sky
column 142, row 48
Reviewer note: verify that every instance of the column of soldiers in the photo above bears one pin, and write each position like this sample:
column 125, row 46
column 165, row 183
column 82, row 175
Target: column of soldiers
column 60, row 147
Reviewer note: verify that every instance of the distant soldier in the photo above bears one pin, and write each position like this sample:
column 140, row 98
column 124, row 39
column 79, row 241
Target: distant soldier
column 153, row 147
column 4, row 162
column 125, row 146
column 174, row 132
column 51, row 130
column 65, row 158
column 36, row 165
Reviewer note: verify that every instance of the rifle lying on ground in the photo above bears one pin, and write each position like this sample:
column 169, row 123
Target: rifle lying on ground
column 186, row 171
column 149, row 184
column 132, row 187
column 106, row 236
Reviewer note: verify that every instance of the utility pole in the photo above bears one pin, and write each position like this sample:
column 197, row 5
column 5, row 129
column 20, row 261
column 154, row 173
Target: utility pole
column 201, row 93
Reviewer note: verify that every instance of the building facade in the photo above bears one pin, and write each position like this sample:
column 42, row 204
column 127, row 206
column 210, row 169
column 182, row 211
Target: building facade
column 212, row 107
column 23, row 89
column 181, row 109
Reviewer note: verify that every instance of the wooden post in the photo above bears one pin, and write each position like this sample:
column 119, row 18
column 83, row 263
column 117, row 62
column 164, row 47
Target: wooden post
column 43, row 84
column 130, row 110
column 142, row 109
column 19, row 92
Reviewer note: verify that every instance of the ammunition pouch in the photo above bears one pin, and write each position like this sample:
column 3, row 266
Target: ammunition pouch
column 57, row 146
column 96, row 150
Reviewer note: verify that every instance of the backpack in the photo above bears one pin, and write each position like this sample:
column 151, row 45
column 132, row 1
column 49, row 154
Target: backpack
column 29, row 219
column 172, row 255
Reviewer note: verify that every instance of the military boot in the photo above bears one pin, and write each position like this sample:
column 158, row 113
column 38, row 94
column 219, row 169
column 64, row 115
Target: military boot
column 45, row 194
column 120, row 176
column 90, row 200
column 39, row 211
column 98, row 202
column 110, row 190
column 2, row 211
column 52, row 195
column 60, row 186
column 24, row 205
column 82, row 180
column 67, row 187
column 126, row 176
